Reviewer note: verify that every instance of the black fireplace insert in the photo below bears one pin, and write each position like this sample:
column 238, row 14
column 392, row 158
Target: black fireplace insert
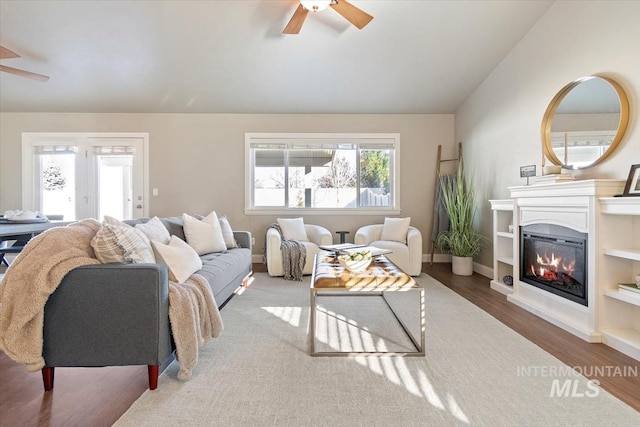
column 554, row 258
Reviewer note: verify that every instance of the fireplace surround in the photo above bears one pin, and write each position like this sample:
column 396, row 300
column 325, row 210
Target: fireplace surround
column 573, row 207
column 581, row 210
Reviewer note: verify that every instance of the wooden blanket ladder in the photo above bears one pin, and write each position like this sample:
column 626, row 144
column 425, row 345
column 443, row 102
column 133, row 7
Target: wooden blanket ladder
column 434, row 223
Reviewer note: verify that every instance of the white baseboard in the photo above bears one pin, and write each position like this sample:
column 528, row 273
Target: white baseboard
column 483, row 270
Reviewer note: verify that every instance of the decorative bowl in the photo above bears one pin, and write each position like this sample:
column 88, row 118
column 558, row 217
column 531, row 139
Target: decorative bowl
column 355, row 266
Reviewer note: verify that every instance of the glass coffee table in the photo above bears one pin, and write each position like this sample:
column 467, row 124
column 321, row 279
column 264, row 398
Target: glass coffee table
column 381, row 278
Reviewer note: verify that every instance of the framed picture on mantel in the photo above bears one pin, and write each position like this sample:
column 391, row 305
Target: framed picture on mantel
column 632, row 187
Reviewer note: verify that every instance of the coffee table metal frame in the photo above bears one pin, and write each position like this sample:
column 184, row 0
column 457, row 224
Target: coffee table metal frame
column 346, row 292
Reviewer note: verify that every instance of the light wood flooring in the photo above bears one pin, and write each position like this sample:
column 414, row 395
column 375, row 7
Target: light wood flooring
column 99, row 396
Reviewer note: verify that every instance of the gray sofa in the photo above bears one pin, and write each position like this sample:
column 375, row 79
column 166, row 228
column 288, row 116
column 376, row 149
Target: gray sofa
column 118, row 314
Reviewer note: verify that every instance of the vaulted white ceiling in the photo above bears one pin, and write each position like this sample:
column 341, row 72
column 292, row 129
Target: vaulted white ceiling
column 231, row 56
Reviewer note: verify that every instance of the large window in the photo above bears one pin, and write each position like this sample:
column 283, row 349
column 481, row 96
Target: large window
column 322, row 172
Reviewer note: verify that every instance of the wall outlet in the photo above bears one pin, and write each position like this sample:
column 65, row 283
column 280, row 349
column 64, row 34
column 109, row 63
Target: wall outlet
column 253, row 240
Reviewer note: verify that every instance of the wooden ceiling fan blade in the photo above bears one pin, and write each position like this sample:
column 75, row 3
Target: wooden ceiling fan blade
column 296, row 21
column 356, row 16
column 23, row 73
column 6, row 53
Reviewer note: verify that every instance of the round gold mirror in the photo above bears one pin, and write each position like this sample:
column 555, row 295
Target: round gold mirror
column 585, row 122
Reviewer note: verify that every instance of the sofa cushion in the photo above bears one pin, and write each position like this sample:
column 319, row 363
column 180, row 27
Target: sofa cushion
column 205, row 236
column 224, row 268
column 181, row 259
column 395, row 229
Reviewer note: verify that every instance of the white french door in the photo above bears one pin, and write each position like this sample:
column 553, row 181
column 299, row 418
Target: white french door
column 81, row 175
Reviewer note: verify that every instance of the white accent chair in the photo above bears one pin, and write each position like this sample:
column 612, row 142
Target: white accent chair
column 317, row 235
column 406, row 256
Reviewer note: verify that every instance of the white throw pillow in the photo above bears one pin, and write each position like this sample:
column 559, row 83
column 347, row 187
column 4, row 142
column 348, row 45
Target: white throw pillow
column 154, row 229
column 395, row 229
column 181, row 259
column 293, row 229
column 204, row 236
column 227, row 233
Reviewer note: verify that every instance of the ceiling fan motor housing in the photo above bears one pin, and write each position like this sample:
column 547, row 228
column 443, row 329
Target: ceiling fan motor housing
column 315, row 5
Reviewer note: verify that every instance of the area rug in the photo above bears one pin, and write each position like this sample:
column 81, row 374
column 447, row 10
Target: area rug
column 476, row 370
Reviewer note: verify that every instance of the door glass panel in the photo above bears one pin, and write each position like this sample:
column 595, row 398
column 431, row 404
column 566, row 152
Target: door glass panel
column 115, row 186
column 57, row 180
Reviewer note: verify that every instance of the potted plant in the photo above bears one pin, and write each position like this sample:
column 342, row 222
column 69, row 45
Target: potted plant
column 461, row 240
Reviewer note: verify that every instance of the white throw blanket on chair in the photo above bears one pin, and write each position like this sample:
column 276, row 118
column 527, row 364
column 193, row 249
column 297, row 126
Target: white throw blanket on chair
column 294, row 256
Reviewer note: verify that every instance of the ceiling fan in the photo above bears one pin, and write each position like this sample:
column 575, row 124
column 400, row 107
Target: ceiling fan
column 7, row 54
column 348, row 11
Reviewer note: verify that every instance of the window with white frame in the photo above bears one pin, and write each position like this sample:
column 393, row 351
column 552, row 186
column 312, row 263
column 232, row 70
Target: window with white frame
column 322, row 172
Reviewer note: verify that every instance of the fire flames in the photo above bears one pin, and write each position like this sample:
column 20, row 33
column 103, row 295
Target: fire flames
column 553, row 268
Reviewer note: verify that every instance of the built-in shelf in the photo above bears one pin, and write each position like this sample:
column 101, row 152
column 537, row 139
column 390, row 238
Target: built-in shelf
column 624, row 296
column 633, row 254
column 505, row 259
column 503, row 243
column 620, row 205
column 505, row 234
column 620, row 312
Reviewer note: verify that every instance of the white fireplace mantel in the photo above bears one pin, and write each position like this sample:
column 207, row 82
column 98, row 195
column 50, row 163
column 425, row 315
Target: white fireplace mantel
column 573, row 204
column 591, row 187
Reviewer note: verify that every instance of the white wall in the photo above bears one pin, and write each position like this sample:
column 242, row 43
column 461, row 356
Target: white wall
column 197, row 160
column 499, row 124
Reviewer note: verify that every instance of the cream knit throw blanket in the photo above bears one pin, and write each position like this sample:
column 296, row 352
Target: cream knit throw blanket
column 195, row 319
column 40, row 267
column 33, row 276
